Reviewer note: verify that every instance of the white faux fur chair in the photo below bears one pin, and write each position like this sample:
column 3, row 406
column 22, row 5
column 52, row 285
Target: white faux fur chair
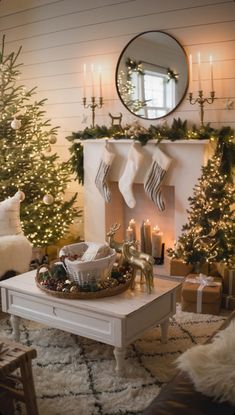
column 15, row 248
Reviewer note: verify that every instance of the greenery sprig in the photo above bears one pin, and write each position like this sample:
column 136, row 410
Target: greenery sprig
column 134, row 66
column 179, row 130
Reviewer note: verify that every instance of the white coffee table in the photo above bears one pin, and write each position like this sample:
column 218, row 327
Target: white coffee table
column 117, row 320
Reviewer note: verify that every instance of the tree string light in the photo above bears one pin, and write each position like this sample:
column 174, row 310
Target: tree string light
column 24, row 136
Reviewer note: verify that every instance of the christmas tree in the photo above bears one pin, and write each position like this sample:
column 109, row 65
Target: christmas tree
column 26, row 161
column 208, row 236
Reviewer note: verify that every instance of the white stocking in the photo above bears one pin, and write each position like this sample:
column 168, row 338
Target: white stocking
column 154, row 177
column 102, row 173
column 126, row 181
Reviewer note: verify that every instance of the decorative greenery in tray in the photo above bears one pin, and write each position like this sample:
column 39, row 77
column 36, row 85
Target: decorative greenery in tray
column 179, row 130
column 56, row 280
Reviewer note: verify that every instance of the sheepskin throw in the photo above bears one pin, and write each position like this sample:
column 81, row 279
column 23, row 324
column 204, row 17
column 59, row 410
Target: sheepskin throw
column 15, row 254
column 10, row 216
column 212, row 366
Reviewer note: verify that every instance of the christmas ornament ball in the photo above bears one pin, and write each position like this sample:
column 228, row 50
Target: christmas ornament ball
column 48, row 149
column 48, row 199
column 15, row 124
column 52, row 139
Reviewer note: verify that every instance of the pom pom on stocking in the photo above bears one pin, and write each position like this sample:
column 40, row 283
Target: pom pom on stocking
column 102, row 173
column 154, row 177
column 126, row 181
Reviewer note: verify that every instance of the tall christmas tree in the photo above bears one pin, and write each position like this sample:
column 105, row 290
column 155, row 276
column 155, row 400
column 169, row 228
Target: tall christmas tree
column 26, row 161
column 209, row 234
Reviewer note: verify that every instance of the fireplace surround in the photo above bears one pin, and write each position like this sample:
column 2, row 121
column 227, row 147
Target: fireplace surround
column 187, row 156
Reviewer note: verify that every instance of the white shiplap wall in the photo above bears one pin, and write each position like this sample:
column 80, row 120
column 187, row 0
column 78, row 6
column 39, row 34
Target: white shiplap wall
column 59, row 36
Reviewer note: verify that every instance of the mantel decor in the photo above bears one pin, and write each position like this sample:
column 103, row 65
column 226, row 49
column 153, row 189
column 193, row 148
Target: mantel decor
column 179, row 130
column 201, row 100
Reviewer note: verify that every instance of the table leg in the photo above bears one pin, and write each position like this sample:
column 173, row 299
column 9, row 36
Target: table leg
column 164, row 330
column 15, row 324
column 119, row 353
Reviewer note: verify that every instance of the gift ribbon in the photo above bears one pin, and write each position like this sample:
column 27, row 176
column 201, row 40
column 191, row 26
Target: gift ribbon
column 203, row 282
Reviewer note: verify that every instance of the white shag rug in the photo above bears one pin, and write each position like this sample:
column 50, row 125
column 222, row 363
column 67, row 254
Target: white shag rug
column 212, row 366
column 74, row 375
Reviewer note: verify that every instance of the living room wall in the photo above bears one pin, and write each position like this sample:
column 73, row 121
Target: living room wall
column 59, row 36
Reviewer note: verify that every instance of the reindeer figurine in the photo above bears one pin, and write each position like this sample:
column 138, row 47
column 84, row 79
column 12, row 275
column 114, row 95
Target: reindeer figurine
column 133, row 257
column 139, row 260
column 112, row 243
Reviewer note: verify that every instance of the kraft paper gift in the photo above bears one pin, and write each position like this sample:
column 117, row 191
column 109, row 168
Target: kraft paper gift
column 201, row 294
column 228, row 302
column 180, row 268
column 228, row 275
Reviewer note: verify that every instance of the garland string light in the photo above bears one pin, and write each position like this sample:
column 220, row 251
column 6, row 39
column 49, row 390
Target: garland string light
column 179, row 130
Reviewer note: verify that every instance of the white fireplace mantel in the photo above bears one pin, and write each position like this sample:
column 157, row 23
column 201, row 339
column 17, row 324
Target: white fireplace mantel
column 188, row 157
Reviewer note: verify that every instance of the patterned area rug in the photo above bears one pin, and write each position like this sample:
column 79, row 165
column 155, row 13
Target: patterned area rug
column 76, row 376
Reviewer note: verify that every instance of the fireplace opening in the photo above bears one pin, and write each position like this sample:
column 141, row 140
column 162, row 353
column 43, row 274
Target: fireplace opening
column 116, row 211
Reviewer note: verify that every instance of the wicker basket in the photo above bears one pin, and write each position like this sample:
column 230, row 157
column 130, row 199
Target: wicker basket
column 87, row 272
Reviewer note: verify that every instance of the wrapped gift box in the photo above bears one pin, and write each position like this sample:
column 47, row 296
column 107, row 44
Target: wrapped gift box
column 197, row 297
column 180, row 268
column 228, row 302
column 228, row 275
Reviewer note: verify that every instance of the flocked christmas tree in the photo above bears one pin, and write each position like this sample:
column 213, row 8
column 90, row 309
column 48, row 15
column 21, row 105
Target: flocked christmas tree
column 209, row 234
column 26, row 161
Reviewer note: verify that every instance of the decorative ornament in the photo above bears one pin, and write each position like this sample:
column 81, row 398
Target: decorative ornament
column 134, row 66
column 48, row 199
column 116, row 121
column 15, row 124
column 48, row 149
column 22, row 195
column 172, row 75
column 135, row 129
column 52, row 139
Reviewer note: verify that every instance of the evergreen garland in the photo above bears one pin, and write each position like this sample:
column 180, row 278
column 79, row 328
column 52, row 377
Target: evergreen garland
column 179, row 130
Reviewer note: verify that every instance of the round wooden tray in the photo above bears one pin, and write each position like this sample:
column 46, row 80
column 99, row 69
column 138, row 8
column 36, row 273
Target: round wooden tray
column 86, row 295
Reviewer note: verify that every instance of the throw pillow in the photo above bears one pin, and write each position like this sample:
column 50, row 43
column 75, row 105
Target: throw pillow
column 10, row 215
column 211, row 366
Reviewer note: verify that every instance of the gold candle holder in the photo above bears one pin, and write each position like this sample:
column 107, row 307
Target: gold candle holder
column 93, row 105
column 201, row 101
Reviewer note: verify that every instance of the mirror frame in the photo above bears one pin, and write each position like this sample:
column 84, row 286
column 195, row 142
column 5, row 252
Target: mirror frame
column 117, row 69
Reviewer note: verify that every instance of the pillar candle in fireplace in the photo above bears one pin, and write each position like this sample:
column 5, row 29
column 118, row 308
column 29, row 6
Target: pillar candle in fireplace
column 129, row 234
column 132, row 225
column 156, row 243
column 147, row 237
column 142, row 240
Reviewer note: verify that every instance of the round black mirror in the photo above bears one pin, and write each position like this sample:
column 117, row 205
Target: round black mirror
column 152, row 75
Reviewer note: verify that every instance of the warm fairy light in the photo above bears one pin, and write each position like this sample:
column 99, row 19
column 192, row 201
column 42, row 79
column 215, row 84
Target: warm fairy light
column 26, row 169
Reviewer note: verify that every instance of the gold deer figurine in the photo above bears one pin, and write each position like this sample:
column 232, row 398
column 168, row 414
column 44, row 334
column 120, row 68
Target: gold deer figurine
column 135, row 258
column 112, row 243
column 139, row 260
